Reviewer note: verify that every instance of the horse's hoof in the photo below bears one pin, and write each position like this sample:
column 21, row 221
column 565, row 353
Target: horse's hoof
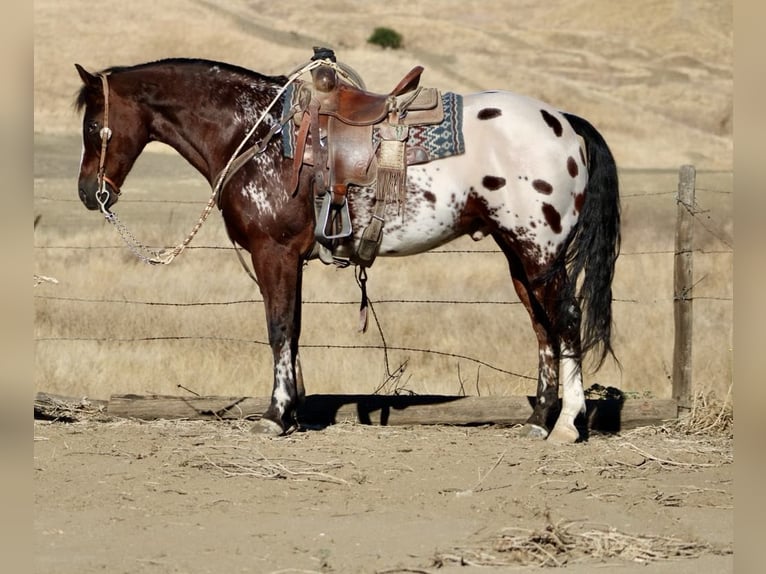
column 267, row 427
column 564, row 433
column 533, row 432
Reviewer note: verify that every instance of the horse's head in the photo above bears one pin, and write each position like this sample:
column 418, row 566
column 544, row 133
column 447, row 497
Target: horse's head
column 113, row 136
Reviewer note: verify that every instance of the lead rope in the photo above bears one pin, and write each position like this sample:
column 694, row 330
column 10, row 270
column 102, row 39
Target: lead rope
column 166, row 256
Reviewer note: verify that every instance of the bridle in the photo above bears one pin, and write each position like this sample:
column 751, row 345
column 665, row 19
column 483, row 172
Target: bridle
column 102, row 195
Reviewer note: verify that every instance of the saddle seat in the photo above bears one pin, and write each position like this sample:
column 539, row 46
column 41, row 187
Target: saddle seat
column 357, row 107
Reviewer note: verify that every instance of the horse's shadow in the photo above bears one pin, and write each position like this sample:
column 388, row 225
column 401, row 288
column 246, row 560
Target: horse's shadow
column 602, row 414
column 321, row 411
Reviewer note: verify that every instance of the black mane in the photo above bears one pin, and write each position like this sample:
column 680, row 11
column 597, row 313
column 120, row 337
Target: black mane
column 81, row 99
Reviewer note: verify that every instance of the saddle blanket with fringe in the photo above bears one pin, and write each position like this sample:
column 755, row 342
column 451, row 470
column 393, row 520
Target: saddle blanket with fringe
column 437, row 141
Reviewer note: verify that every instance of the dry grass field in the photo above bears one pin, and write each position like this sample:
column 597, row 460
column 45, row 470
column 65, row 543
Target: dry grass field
column 655, row 77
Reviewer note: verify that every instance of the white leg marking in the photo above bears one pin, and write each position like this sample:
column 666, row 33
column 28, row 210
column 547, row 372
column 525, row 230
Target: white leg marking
column 573, row 400
column 283, row 378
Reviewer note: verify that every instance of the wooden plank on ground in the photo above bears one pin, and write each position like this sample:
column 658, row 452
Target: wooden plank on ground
column 322, row 410
column 150, row 407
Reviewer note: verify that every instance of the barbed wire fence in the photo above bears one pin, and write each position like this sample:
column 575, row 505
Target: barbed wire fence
column 711, row 230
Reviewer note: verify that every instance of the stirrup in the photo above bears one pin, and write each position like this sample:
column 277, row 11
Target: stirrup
column 324, row 225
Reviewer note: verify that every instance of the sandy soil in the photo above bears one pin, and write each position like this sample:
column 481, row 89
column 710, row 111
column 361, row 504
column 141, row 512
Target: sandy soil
column 188, row 497
column 212, row 497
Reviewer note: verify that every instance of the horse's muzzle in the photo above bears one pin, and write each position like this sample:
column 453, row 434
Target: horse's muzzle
column 94, row 199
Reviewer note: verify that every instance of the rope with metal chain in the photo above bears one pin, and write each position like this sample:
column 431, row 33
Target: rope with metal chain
column 166, row 256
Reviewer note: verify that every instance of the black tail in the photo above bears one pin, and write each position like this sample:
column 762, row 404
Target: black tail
column 596, row 245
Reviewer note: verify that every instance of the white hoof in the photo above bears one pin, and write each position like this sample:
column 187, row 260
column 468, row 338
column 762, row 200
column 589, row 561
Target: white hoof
column 533, row 432
column 564, row 433
column 266, row 427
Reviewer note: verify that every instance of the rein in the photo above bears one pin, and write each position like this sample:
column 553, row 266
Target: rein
column 106, row 135
column 237, row 160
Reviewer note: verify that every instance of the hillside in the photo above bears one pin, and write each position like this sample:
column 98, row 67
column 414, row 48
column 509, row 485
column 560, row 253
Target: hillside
column 655, row 76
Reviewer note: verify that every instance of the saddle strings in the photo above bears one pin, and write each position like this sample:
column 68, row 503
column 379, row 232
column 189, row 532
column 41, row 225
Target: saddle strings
column 166, row 256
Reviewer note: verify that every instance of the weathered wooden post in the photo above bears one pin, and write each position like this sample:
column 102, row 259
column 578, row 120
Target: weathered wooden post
column 683, row 268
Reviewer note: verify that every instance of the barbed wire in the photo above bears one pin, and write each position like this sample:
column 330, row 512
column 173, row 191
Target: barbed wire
column 249, row 301
column 252, row 301
column 695, row 210
column 626, row 195
column 433, row 252
column 702, row 217
column 186, row 338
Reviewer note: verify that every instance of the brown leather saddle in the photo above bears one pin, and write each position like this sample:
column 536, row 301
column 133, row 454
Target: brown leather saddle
column 335, row 124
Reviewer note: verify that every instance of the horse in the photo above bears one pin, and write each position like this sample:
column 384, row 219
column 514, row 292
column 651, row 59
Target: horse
column 542, row 183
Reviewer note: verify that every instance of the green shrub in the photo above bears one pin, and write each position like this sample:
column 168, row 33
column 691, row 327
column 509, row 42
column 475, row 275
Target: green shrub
column 386, row 38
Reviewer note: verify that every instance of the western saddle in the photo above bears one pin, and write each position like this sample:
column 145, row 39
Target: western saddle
column 349, row 136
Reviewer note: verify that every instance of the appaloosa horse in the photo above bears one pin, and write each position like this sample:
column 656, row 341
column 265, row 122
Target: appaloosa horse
column 541, row 182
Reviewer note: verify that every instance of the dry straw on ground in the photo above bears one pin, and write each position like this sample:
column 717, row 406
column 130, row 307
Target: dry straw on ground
column 65, row 410
column 707, row 416
column 241, row 461
column 567, row 542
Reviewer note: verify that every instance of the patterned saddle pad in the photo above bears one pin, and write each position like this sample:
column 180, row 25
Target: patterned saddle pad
column 437, row 141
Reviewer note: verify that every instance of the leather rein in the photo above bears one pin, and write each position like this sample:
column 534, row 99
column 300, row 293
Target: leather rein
column 102, row 195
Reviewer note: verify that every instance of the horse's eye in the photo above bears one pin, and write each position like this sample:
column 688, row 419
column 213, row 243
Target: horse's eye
column 92, row 127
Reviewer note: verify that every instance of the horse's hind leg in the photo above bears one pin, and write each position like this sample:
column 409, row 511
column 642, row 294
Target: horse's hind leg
column 555, row 317
column 541, row 306
column 548, row 359
column 573, row 397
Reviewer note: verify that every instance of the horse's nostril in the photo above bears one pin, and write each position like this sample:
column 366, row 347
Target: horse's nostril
column 86, row 200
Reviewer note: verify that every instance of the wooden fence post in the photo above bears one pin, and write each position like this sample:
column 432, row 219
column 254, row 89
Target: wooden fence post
column 683, row 272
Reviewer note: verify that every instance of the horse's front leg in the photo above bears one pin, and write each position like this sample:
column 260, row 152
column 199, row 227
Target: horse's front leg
column 279, row 270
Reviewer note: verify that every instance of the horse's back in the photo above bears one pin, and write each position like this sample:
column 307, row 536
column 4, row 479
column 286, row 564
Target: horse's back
column 530, row 125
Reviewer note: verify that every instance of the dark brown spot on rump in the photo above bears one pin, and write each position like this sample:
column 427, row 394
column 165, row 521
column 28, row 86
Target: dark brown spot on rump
column 579, row 201
column 572, row 166
column 542, row 186
column 430, row 197
column 552, row 122
column 489, row 113
column 553, row 217
column 493, row 182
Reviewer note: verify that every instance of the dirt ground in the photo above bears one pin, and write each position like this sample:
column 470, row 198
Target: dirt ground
column 195, row 496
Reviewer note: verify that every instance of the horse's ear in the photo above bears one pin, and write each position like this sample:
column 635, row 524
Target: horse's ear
column 88, row 79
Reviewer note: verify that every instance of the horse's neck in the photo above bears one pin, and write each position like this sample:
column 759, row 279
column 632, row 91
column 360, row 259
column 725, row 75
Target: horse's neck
column 188, row 140
column 206, row 136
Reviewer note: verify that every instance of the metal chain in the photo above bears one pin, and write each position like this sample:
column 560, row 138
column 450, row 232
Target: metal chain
column 141, row 251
